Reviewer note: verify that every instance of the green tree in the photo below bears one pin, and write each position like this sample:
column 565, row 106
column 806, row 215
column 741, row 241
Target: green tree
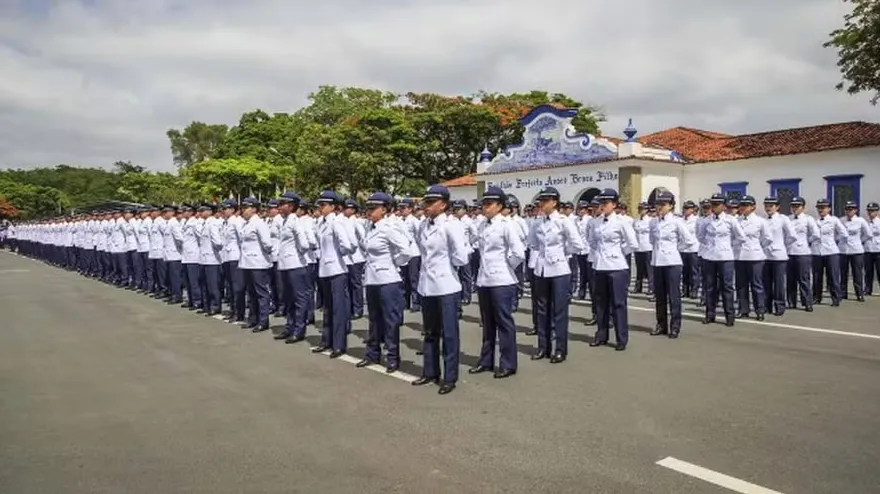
column 858, row 49
column 197, row 142
column 34, row 201
column 235, row 176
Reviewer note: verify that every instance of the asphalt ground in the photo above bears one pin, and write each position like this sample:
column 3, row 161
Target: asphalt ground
column 104, row 390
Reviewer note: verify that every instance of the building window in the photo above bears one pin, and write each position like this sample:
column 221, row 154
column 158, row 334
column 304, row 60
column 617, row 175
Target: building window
column 734, row 190
column 843, row 188
column 785, row 189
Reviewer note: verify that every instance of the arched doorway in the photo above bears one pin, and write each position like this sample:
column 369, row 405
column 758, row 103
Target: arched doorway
column 652, row 197
column 588, row 195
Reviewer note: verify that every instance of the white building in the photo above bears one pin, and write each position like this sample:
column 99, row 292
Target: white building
column 837, row 161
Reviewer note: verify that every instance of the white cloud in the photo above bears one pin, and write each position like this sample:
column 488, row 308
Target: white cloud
column 90, row 82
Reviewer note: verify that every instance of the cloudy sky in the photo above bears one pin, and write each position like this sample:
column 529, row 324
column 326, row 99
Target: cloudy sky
column 89, row 82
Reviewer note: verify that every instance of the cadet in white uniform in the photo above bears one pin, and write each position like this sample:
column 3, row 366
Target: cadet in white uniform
column 502, row 250
column 750, row 257
column 172, row 240
column 211, row 244
column 872, row 249
column 274, row 219
column 781, row 235
column 443, row 247
column 852, row 250
column 234, row 276
column 385, row 247
column 192, row 227
column 716, row 237
column 256, row 259
column 690, row 275
column 356, row 260
column 297, row 243
column 826, row 254
column 642, row 227
column 800, row 256
column 669, row 236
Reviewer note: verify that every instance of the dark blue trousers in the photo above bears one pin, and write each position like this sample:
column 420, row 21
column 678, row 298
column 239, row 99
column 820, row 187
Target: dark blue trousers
column 644, row 272
column 296, row 289
column 797, row 281
column 337, row 312
column 440, row 320
column 690, row 274
column 211, row 300
column 466, row 276
column 854, row 263
column 314, row 293
column 475, row 268
column 319, row 293
column 774, row 285
column 385, row 311
column 573, row 279
column 611, row 300
column 275, row 288
column 872, row 271
column 827, row 266
column 718, row 278
column 193, row 285
column 161, row 287
column 236, row 289
column 137, row 269
column 256, row 283
column 149, row 272
column 410, row 274
column 583, row 276
column 175, row 283
column 552, row 299
column 667, row 294
column 356, row 288
column 498, row 325
column 750, row 281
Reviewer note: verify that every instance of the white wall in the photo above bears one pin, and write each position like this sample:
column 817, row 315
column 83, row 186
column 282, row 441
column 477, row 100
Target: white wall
column 702, row 179
column 662, row 175
column 466, row 192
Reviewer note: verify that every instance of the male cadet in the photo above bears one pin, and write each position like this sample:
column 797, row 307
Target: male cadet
column 235, row 288
column 872, row 248
column 356, row 260
column 716, row 237
column 465, row 275
column 826, row 253
column 805, row 232
column 852, row 250
column 336, row 244
column 274, row 219
column 256, row 259
column 585, row 214
column 553, row 239
column 410, row 272
column 172, row 240
column 443, row 247
column 611, row 239
column 781, row 235
column 690, row 275
column 501, row 250
column 750, row 258
column 143, row 273
column 192, row 227
column 211, row 244
column 156, row 256
column 128, row 226
column 669, row 235
column 293, row 261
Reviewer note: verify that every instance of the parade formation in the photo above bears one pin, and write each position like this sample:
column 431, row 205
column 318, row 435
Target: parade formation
column 291, row 258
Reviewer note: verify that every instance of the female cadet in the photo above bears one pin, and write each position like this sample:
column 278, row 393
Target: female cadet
column 295, row 245
column 385, row 247
column 826, row 253
column 235, row 287
column 501, row 249
column 611, row 240
column 642, row 227
column 872, row 248
column 716, row 237
column 443, row 247
column 750, row 258
column 211, row 243
column 336, row 244
column 256, row 259
column 800, row 256
column 552, row 239
column 852, row 250
column 670, row 236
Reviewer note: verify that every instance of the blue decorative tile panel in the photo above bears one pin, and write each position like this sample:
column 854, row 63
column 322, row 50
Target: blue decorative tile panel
column 549, row 139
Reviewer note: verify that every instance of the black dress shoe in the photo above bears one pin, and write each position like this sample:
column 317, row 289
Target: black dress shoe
column 532, row 332
column 596, row 343
column 391, row 369
column 708, row 320
column 260, row 328
column 446, row 388
column 479, row 369
column 420, row 352
column 283, row 336
column 251, row 325
column 673, row 334
column 760, row 317
column 808, row 309
column 336, row 353
column 557, row 358
column 779, row 313
column 320, row 349
column 860, row 299
column 425, row 380
column 659, row 331
column 619, row 347
column 365, row 363
column 835, row 304
column 539, row 355
column 294, row 339
column 590, row 322
column 729, row 322
column 504, row 373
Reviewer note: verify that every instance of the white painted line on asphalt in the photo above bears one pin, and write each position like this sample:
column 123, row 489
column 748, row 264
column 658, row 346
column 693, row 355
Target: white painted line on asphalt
column 4, row 271
column 403, row 376
column 713, row 477
column 692, row 315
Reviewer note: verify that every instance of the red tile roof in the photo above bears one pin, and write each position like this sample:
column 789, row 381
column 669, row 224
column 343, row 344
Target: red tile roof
column 461, row 181
column 704, row 146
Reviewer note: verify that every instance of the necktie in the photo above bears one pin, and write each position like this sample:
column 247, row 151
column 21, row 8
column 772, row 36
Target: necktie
column 431, row 222
column 795, row 216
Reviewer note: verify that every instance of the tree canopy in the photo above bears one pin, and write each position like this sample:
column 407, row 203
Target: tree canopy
column 858, row 49
column 354, row 140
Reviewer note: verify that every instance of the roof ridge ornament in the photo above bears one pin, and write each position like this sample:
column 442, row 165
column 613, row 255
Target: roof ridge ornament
column 630, row 131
